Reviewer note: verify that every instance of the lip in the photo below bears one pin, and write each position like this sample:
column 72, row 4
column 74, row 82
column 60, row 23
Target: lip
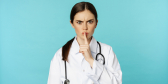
column 85, row 32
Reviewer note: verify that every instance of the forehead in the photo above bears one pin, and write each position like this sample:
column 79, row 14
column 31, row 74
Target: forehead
column 84, row 15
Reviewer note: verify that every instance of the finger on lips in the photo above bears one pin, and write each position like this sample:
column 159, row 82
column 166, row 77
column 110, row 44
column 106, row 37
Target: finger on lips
column 85, row 46
column 85, row 38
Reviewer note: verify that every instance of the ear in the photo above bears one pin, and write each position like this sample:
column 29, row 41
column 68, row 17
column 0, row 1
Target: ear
column 71, row 24
column 96, row 24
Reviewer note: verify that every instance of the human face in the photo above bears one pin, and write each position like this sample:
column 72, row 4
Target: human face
column 84, row 22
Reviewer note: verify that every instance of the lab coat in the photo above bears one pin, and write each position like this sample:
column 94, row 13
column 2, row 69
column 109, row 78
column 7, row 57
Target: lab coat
column 79, row 70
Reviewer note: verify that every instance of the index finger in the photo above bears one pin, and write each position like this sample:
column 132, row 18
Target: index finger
column 85, row 38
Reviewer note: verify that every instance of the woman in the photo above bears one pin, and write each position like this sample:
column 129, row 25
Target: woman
column 76, row 61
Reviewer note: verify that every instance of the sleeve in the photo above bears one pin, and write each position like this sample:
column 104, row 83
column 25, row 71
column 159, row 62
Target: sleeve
column 54, row 71
column 110, row 73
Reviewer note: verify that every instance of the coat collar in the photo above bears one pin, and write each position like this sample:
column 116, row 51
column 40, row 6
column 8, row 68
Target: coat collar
column 75, row 46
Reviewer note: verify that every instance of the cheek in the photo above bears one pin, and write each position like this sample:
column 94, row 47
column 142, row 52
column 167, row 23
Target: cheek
column 92, row 30
column 77, row 28
column 92, row 27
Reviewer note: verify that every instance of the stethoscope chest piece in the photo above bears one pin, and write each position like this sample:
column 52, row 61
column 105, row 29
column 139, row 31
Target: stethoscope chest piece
column 66, row 81
column 100, row 58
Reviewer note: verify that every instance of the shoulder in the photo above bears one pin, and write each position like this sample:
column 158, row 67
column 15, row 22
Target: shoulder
column 57, row 55
column 105, row 46
column 106, row 49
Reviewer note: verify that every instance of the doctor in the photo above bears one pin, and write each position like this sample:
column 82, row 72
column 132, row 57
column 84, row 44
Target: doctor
column 77, row 62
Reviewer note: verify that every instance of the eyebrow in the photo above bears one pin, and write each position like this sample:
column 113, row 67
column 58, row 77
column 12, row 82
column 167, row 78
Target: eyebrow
column 82, row 21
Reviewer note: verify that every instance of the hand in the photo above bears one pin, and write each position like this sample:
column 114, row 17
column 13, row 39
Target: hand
column 85, row 50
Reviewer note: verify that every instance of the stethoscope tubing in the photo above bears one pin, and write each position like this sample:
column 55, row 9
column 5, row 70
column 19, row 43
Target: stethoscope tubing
column 100, row 54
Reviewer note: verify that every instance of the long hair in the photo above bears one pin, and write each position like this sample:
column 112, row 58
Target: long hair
column 78, row 7
column 66, row 49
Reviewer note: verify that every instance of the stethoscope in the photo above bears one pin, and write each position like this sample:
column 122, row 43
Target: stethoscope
column 99, row 57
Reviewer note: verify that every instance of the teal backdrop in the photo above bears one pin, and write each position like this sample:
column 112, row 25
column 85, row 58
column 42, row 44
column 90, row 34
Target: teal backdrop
column 31, row 31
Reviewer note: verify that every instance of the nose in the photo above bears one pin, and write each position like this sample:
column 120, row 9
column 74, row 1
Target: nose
column 85, row 27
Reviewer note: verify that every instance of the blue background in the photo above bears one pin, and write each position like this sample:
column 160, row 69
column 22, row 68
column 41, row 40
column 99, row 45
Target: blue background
column 31, row 31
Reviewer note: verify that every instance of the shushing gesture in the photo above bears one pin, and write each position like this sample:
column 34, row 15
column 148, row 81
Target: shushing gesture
column 85, row 50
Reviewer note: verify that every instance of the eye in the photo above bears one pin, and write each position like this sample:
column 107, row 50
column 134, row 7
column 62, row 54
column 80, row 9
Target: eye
column 90, row 22
column 79, row 22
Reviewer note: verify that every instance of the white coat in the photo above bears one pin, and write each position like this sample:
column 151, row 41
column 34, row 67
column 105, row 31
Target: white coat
column 79, row 70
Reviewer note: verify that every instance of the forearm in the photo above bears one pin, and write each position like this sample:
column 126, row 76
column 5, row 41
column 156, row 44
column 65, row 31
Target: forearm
column 104, row 74
column 90, row 61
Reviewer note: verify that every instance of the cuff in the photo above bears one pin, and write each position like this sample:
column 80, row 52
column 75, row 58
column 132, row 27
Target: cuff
column 95, row 72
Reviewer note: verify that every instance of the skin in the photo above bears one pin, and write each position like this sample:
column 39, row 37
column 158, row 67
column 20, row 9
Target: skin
column 85, row 22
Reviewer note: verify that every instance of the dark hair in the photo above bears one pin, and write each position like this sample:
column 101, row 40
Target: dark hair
column 78, row 7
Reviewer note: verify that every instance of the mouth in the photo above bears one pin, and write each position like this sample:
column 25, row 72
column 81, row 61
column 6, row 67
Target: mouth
column 85, row 33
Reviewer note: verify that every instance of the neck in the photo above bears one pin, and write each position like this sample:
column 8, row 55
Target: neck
column 81, row 41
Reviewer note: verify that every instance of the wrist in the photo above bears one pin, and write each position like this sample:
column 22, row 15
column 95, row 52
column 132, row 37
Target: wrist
column 90, row 61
